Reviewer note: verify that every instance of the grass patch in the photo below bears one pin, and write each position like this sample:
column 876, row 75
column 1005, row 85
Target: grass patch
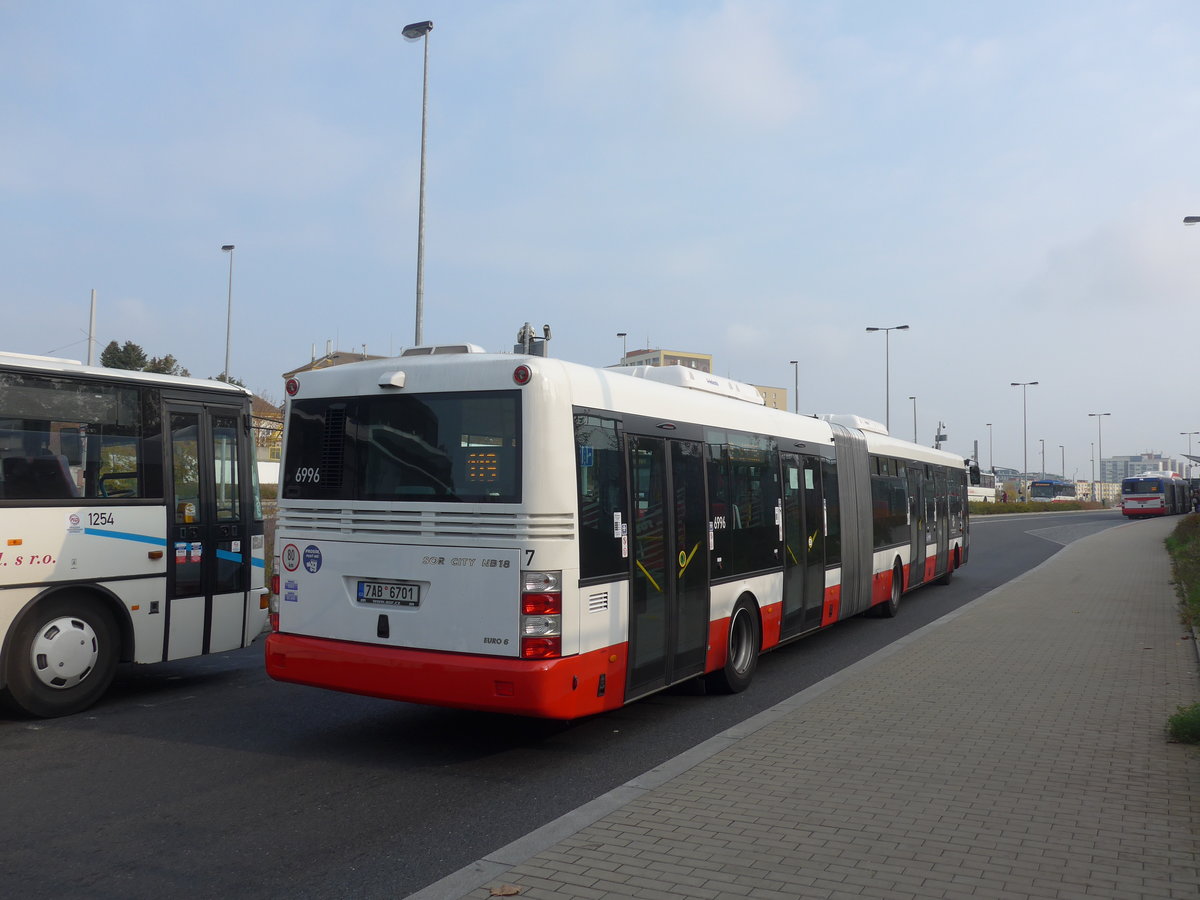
column 1184, row 726
column 992, row 509
column 1184, row 546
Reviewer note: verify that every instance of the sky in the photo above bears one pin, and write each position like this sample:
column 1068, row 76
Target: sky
column 760, row 180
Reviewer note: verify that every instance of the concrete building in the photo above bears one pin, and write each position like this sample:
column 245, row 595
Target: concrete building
column 1114, row 469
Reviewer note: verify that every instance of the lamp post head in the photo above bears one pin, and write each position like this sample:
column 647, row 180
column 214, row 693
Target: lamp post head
column 417, row 30
column 1191, row 220
column 622, row 334
column 227, row 247
column 794, row 362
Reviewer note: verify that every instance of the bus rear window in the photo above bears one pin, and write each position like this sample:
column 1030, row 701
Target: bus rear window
column 458, row 447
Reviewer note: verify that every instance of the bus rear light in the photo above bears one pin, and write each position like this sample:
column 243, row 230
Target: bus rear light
column 292, row 386
column 541, row 648
column 535, row 626
column 541, row 615
column 532, row 581
column 275, row 585
column 541, row 604
column 273, row 619
column 521, row 375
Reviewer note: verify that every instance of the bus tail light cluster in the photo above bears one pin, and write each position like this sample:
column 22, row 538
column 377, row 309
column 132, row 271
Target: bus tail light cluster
column 273, row 614
column 541, row 615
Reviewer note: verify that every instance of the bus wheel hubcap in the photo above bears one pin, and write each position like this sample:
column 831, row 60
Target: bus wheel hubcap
column 64, row 651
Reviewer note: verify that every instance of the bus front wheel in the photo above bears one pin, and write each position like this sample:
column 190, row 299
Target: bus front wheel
column 741, row 657
column 62, row 658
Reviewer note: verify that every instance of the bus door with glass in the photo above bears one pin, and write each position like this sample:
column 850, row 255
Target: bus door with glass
column 804, row 551
column 916, row 524
column 668, row 615
column 208, row 548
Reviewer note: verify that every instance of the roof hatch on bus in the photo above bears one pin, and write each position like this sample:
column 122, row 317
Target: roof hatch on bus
column 681, row 376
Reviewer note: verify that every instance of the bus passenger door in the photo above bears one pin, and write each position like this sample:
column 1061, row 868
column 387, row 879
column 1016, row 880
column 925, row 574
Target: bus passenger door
column 208, row 551
column 668, row 616
column 804, row 563
column 942, row 531
column 916, row 526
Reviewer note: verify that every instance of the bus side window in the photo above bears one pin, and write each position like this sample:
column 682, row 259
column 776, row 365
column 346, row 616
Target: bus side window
column 600, row 484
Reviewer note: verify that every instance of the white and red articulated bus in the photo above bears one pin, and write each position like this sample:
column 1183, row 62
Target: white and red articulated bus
column 526, row 535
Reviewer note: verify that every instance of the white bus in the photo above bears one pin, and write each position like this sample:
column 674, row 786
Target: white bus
column 130, row 526
column 526, row 535
column 982, row 487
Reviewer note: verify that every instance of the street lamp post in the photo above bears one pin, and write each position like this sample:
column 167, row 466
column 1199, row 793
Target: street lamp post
column 914, row 400
column 1093, row 470
column 796, row 387
column 624, row 346
column 415, row 32
column 1189, row 437
column 1099, row 417
column 228, row 248
column 1024, row 386
column 991, row 460
column 1063, row 450
column 1043, row 441
column 887, row 370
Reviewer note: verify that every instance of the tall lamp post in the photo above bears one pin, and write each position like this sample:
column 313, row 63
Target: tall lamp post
column 887, row 370
column 624, row 346
column 228, row 248
column 1099, row 417
column 1189, row 437
column 1043, row 442
column 415, row 32
column 1063, row 451
column 796, row 372
column 1024, row 386
column 914, row 400
column 991, row 461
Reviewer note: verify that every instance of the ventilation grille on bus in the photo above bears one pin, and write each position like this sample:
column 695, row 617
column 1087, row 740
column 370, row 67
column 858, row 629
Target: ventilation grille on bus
column 333, row 446
column 598, row 602
column 382, row 524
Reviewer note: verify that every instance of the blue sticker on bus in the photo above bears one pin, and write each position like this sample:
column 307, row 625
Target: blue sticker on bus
column 312, row 558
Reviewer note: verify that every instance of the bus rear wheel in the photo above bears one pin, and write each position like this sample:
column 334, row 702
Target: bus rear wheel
column 741, row 657
column 63, row 657
column 889, row 609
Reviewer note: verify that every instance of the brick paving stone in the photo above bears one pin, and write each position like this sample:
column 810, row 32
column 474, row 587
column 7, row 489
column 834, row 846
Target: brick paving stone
column 1016, row 749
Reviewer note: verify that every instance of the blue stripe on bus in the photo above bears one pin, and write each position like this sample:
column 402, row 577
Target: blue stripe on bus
column 258, row 562
column 127, row 536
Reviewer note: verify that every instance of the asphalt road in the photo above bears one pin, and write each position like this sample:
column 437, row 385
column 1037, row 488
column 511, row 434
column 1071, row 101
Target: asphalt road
column 203, row 777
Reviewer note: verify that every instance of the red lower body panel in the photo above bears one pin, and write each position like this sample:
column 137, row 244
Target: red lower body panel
column 549, row 688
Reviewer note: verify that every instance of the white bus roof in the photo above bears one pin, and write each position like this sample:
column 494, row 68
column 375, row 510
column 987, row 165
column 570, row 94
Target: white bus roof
column 54, row 365
column 667, row 390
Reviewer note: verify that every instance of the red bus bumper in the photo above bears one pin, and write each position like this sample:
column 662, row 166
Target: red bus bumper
column 548, row 688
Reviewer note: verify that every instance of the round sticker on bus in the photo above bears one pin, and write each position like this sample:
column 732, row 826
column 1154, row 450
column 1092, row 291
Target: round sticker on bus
column 312, row 558
column 291, row 557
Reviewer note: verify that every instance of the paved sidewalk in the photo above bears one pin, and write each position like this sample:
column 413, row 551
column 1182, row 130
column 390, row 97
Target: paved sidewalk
column 1016, row 748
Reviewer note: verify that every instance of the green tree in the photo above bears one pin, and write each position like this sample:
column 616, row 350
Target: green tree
column 130, row 356
column 167, row 365
column 228, row 379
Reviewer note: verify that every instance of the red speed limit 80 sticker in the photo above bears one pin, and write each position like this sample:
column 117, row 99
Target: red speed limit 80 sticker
column 291, row 557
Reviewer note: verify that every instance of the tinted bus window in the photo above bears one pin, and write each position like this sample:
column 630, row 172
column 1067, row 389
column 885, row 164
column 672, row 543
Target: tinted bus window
column 601, row 486
column 453, row 447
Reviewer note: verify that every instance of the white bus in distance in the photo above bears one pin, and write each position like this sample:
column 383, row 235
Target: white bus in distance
column 130, row 526
column 526, row 535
